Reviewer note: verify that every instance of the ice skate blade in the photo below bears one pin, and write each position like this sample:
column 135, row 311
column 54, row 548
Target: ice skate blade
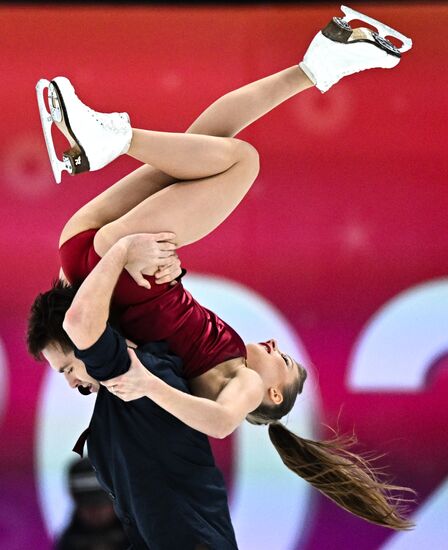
column 340, row 31
column 58, row 166
column 382, row 29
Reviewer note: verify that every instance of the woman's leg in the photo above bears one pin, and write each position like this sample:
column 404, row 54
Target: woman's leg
column 225, row 117
column 191, row 209
column 185, row 156
column 233, row 112
column 181, row 156
column 115, row 201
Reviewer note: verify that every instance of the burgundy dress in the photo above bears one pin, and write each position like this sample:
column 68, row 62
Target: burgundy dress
column 197, row 335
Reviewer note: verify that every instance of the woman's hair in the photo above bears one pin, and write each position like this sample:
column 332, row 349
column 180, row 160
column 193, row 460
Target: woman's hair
column 348, row 479
column 46, row 318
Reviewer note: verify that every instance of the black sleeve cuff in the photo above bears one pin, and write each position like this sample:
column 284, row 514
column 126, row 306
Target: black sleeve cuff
column 107, row 357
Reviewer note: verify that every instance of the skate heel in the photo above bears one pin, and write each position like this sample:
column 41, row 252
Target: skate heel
column 75, row 161
column 382, row 31
column 338, row 30
column 75, row 157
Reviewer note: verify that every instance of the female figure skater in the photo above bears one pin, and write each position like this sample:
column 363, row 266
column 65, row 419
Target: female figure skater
column 189, row 184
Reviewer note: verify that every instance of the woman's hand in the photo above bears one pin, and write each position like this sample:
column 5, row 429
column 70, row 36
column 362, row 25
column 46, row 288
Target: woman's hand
column 169, row 271
column 134, row 384
column 151, row 254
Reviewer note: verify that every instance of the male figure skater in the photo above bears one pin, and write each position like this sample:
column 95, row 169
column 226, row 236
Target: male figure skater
column 159, row 472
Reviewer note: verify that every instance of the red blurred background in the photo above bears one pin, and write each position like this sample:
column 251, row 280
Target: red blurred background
column 349, row 210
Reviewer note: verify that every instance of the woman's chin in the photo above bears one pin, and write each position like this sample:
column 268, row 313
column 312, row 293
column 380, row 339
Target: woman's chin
column 255, row 356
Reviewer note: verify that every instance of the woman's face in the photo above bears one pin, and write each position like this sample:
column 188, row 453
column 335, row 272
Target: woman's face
column 277, row 370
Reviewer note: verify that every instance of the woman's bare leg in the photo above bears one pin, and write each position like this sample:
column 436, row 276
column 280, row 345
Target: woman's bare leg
column 225, row 117
column 115, row 201
column 177, row 156
column 233, row 112
column 185, row 156
column 191, row 209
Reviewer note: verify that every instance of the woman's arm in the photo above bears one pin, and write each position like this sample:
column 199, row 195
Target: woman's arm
column 217, row 418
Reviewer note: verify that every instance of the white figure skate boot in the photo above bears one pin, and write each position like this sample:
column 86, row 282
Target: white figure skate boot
column 96, row 139
column 338, row 50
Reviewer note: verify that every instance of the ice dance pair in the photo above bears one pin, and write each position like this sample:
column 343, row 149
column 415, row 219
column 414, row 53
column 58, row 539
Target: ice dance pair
column 188, row 184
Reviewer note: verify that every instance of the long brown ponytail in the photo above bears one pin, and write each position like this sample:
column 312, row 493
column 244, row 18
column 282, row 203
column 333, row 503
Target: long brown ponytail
column 349, row 479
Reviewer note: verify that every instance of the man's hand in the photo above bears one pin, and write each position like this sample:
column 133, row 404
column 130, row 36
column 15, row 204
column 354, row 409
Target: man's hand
column 151, row 254
column 134, row 384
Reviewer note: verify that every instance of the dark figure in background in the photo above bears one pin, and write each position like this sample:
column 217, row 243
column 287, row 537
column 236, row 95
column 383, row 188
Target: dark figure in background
column 93, row 524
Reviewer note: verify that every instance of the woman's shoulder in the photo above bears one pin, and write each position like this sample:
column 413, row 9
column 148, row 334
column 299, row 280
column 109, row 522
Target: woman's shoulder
column 250, row 379
column 244, row 392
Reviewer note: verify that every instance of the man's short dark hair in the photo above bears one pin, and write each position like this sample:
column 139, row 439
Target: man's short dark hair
column 46, row 318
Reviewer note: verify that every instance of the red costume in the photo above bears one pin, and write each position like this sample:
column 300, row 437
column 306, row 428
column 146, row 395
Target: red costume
column 164, row 312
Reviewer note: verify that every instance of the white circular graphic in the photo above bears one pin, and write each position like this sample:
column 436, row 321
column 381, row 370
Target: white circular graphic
column 402, row 340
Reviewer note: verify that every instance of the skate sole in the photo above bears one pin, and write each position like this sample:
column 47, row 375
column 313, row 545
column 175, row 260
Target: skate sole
column 340, row 31
column 382, row 30
column 76, row 155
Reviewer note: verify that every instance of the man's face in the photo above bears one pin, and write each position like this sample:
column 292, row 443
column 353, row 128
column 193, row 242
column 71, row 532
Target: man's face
column 72, row 368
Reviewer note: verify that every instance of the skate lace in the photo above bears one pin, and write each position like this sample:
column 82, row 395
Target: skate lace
column 117, row 125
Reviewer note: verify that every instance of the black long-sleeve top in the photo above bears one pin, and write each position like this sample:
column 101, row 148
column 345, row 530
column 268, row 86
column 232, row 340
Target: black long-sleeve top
column 160, row 473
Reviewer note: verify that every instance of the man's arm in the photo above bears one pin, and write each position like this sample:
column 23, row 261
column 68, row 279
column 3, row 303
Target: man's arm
column 86, row 319
column 217, row 418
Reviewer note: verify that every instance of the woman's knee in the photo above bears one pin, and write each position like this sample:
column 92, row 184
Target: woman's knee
column 108, row 235
column 249, row 155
